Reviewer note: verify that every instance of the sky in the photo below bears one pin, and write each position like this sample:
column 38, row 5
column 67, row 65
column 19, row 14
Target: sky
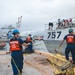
column 36, row 13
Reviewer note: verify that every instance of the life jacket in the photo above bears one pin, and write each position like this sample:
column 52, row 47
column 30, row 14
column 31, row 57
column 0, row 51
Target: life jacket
column 70, row 39
column 14, row 45
column 29, row 39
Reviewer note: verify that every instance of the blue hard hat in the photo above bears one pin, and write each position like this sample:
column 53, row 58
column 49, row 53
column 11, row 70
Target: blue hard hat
column 15, row 31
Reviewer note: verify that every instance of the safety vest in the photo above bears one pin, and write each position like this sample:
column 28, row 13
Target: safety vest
column 14, row 45
column 70, row 39
column 29, row 39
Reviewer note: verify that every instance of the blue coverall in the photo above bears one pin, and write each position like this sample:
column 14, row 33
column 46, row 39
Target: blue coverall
column 70, row 48
column 17, row 57
column 30, row 47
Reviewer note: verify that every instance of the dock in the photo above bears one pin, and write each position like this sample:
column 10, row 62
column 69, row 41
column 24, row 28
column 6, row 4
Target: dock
column 41, row 62
column 4, row 40
column 34, row 64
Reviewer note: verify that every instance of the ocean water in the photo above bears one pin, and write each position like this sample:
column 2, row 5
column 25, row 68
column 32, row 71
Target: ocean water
column 6, row 48
column 39, row 45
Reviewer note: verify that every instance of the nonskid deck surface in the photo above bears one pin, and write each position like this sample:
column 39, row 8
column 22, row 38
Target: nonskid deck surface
column 33, row 65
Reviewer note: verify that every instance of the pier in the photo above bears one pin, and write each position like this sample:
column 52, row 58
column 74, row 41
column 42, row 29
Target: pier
column 38, row 63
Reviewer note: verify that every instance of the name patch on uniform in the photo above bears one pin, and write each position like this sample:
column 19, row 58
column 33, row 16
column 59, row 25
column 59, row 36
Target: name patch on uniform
column 14, row 42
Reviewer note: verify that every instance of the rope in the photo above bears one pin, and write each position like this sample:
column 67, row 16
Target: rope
column 16, row 66
column 74, row 70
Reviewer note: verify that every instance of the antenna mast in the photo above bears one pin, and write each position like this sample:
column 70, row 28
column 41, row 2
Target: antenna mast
column 19, row 22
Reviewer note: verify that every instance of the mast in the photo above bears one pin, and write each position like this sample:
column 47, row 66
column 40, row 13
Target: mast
column 18, row 24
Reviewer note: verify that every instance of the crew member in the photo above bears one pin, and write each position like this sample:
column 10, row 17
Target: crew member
column 16, row 53
column 30, row 40
column 70, row 40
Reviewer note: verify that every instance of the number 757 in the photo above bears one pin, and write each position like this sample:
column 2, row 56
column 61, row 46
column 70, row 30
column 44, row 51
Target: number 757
column 53, row 34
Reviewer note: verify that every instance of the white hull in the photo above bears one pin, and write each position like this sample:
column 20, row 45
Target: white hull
column 56, row 34
column 52, row 39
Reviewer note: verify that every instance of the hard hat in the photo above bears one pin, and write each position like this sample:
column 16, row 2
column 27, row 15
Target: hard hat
column 29, row 34
column 70, row 30
column 15, row 31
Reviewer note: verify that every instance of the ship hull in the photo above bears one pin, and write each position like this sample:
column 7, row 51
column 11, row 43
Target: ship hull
column 53, row 46
column 53, row 38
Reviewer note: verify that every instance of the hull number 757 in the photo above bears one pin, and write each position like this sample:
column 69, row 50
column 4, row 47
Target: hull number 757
column 53, row 34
